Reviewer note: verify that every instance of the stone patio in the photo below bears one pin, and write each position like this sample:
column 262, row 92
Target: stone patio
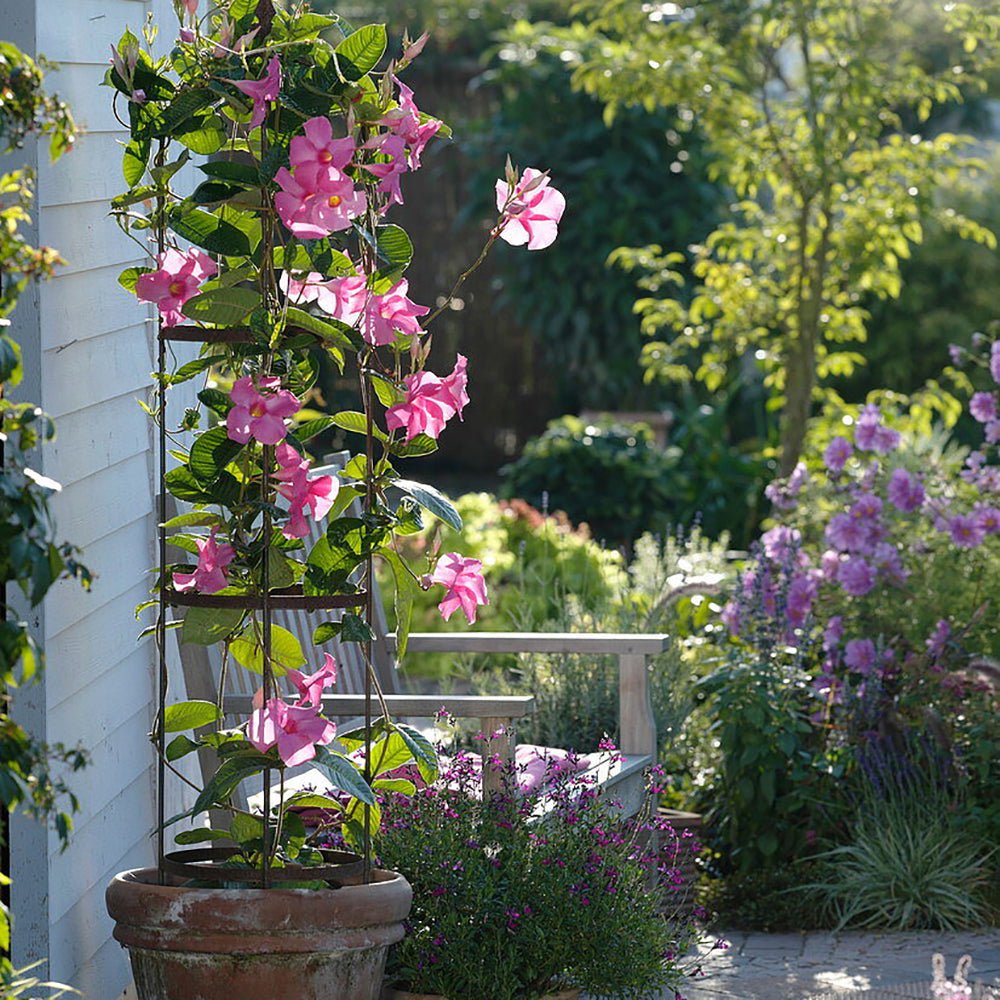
column 829, row 966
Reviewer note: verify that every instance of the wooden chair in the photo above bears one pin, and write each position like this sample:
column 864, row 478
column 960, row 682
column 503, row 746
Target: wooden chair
column 621, row 773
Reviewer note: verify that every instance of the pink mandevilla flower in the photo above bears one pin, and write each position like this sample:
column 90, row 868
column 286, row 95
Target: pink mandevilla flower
column 296, row 729
column 262, row 91
column 316, row 201
column 176, row 279
column 302, row 492
column 430, row 402
column 405, row 122
column 464, row 584
column 317, row 147
column 391, row 171
column 983, row 406
column 260, row 410
column 387, row 315
column 209, row 576
column 530, row 212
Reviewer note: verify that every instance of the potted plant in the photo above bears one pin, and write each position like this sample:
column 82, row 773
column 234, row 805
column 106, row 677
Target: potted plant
column 280, row 254
column 540, row 891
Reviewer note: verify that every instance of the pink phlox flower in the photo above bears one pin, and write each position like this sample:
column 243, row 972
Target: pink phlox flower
column 261, row 91
column 176, row 279
column 389, row 314
column 316, row 201
column 871, row 434
column 983, row 406
column 315, row 493
column 859, row 655
column 529, row 216
column 405, row 122
column 260, row 410
column 464, row 584
column 995, row 361
column 987, row 518
column 209, row 576
column 966, row 531
column 905, row 491
column 390, row 173
column 318, row 148
column 296, row 730
column 312, row 686
column 856, row 576
column 781, row 543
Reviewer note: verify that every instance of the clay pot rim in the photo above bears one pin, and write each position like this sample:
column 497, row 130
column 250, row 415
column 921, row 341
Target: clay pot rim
column 150, row 878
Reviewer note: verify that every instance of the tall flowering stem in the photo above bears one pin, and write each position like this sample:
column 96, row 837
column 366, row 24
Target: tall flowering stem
column 281, row 253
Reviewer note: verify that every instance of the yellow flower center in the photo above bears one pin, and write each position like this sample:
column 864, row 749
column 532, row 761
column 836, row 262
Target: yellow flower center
column 334, row 200
column 176, row 287
column 257, row 410
column 324, row 156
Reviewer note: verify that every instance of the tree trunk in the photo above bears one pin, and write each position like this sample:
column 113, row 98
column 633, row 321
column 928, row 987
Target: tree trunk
column 800, row 378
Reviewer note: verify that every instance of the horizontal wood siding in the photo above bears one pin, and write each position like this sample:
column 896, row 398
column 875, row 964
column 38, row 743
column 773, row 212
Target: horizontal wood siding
column 97, row 353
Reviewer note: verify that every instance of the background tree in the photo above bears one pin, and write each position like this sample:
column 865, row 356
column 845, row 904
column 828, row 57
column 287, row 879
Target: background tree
column 806, row 105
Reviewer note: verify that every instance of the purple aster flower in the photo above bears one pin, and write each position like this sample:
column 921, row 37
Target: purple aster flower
column 889, row 563
column 988, row 519
column 833, row 633
column 905, row 491
column 838, row 451
column 859, row 655
column 993, row 432
column 995, row 361
column 801, row 594
column 867, row 506
column 849, row 533
column 856, row 576
column 781, row 543
column 983, row 406
column 955, row 352
column 965, row 531
column 830, row 564
column 938, row 639
column 798, row 478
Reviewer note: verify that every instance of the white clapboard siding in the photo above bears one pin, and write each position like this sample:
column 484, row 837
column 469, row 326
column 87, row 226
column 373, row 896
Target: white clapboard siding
column 96, row 173
column 81, row 31
column 87, row 237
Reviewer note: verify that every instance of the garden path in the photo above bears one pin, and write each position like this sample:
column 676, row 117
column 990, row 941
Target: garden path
column 850, row 965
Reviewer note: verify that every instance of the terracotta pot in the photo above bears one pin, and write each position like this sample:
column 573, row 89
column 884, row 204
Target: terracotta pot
column 403, row 995
column 257, row 944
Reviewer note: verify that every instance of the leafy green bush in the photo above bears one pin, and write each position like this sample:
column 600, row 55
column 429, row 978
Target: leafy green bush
column 608, row 475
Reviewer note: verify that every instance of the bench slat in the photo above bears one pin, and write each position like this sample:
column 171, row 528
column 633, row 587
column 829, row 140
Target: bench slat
column 536, row 642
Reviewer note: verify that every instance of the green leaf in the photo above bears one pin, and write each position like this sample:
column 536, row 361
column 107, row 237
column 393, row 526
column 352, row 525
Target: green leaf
column 211, row 233
column 207, row 626
column 421, row 445
column 189, row 715
column 398, row 785
column 130, row 277
column 325, row 632
column 310, row 428
column 231, row 772
column 390, row 752
column 406, row 591
column 331, row 332
column 343, row 773
column 222, row 306
column 430, row 499
column 361, row 51
column 286, row 651
column 355, row 629
column 231, row 170
column 134, row 161
column 211, row 452
column 181, row 483
column 199, row 835
column 213, row 192
column 422, row 749
column 10, row 360
column 216, row 400
column 191, row 369
column 310, row 800
column 245, row 828
column 183, row 107
column 198, row 518
column 180, row 746
column 388, row 394
column 352, row 420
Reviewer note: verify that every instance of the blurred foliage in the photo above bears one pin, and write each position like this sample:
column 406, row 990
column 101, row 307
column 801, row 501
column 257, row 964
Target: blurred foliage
column 805, row 105
column 614, row 478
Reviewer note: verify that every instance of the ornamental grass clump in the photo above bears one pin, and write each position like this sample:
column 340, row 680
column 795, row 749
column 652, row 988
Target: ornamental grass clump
column 265, row 155
column 531, row 890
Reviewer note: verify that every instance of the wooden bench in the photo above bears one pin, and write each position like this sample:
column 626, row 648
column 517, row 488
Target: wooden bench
column 621, row 773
